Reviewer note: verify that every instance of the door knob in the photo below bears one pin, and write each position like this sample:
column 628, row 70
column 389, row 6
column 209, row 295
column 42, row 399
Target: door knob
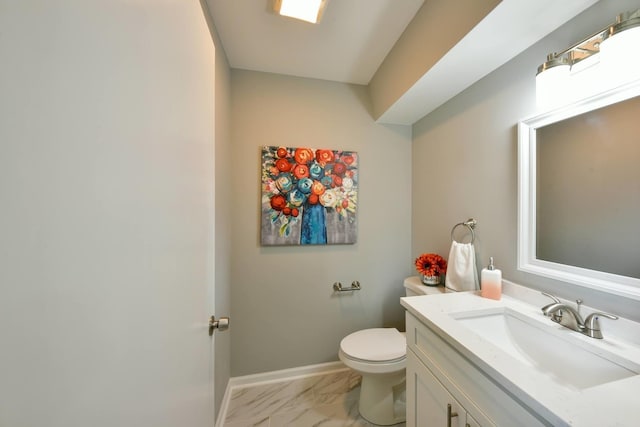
column 221, row 324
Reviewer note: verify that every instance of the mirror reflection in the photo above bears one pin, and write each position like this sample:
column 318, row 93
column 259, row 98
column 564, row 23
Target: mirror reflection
column 588, row 190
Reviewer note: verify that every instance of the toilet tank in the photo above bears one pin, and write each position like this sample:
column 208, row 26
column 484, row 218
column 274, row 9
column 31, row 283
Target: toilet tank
column 414, row 287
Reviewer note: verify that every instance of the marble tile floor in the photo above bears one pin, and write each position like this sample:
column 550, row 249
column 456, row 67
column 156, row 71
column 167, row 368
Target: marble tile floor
column 326, row 400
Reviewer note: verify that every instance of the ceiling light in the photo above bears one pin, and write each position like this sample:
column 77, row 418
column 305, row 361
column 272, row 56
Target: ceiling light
column 305, row 10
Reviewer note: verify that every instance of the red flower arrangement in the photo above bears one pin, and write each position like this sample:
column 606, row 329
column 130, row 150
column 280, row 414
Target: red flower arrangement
column 431, row 265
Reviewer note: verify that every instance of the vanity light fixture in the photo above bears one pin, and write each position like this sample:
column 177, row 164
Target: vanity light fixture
column 602, row 61
column 305, row 10
column 619, row 48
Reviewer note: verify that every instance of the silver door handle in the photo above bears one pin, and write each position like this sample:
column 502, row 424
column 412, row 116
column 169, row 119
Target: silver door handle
column 221, row 324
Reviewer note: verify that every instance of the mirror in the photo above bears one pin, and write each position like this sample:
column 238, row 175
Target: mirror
column 579, row 193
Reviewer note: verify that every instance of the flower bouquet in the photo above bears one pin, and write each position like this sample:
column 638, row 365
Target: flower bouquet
column 431, row 267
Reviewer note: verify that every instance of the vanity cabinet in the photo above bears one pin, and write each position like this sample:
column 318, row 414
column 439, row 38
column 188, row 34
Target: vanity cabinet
column 438, row 375
column 429, row 403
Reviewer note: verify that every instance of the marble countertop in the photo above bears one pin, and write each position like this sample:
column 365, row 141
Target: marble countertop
column 615, row 403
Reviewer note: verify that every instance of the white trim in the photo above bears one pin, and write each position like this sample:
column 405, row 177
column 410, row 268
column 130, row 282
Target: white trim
column 274, row 377
column 528, row 262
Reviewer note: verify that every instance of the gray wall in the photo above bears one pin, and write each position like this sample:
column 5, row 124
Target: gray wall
column 464, row 161
column 284, row 311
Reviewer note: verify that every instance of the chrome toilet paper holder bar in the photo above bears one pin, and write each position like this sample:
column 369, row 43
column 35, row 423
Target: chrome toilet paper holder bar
column 355, row 286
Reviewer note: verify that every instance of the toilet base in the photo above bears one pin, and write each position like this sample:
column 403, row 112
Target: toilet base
column 382, row 398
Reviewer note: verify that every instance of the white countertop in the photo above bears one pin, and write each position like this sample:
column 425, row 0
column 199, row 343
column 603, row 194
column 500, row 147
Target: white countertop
column 615, row 403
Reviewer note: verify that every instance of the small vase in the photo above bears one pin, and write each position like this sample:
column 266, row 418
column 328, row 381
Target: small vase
column 431, row 280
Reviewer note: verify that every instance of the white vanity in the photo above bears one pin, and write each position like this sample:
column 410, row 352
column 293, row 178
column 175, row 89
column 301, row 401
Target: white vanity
column 472, row 361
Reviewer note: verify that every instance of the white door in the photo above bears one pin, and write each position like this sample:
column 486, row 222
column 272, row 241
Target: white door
column 106, row 214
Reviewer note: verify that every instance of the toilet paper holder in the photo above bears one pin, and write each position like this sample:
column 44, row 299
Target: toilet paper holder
column 355, row 286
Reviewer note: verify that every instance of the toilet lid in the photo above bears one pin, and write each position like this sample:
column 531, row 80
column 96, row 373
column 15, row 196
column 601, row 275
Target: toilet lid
column 376, row 345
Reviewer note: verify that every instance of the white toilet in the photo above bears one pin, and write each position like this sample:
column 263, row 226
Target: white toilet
column 379, row 355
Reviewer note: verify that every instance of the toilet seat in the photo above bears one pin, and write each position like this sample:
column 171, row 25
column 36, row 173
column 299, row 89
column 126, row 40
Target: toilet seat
column 375, row 346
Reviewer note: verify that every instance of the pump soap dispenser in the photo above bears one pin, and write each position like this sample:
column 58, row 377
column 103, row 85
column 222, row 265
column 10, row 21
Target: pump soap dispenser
column 491, row 282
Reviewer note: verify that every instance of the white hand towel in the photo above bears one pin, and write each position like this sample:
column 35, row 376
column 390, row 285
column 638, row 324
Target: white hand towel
column 462, row 274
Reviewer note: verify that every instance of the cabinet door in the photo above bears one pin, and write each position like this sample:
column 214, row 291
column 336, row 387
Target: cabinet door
column 471, row 422
column 428, row 402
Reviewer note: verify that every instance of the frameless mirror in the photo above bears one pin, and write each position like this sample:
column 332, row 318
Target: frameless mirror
column 579, row 193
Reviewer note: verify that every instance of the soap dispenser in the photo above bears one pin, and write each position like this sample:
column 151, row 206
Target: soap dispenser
column 491, row 281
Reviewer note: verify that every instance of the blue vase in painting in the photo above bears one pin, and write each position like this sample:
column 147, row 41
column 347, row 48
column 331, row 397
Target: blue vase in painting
column 314, row 229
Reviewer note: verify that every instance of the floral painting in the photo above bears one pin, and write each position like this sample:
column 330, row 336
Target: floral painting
column 309, row 196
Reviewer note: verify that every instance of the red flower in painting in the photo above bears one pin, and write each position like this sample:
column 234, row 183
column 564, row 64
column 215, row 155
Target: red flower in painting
column 278, row 202
column 431, row 265
column 300, row 171
column 281, row 152
column 348, row 159
column 283, row 165
column 339, row 168
column 303, row 155
column 324, row 156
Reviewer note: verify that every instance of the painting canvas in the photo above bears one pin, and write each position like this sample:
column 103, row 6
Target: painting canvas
column 309, row 196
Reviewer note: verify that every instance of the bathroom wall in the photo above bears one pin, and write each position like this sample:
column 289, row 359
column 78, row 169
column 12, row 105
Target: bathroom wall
column 285, row 313
column 464, row 161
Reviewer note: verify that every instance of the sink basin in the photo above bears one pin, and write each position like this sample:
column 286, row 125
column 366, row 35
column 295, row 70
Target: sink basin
column 555, row 353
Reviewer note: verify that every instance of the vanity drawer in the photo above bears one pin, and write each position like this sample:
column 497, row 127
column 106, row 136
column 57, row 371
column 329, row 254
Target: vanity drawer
column 484, row 399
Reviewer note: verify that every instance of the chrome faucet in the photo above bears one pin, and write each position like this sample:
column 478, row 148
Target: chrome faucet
column 566, row 315
column 570, row 317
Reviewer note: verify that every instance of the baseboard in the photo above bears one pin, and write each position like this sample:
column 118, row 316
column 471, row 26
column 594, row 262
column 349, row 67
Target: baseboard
column 274, row 377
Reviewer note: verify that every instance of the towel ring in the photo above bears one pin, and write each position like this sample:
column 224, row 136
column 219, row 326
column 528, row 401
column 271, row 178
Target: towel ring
column 470, row 224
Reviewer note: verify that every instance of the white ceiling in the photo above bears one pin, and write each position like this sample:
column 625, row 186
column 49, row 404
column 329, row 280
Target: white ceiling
column 348, row 45
column 354, row 37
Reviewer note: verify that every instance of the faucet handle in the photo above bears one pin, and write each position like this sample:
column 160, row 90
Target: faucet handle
column 592, row 325
column 553, row 297
column 556, row 316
